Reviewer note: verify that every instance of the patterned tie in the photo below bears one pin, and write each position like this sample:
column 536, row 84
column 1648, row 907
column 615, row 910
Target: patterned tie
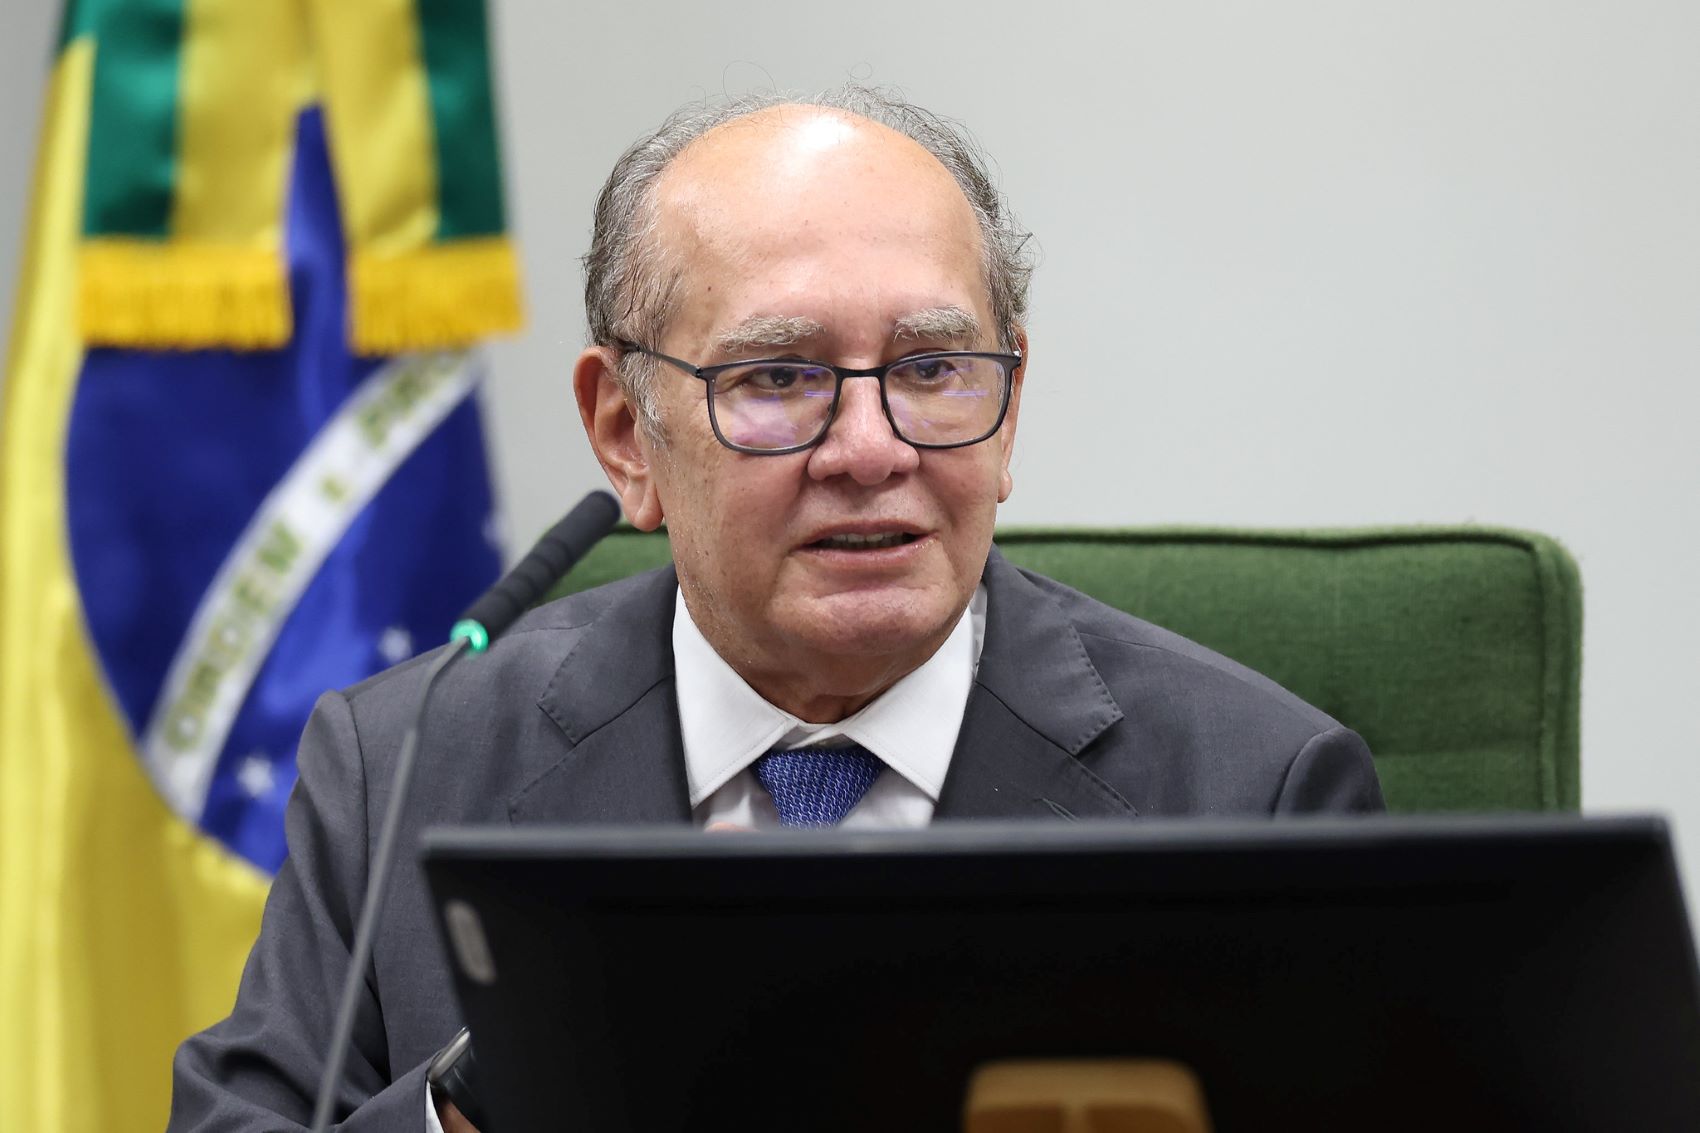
column 817, row 786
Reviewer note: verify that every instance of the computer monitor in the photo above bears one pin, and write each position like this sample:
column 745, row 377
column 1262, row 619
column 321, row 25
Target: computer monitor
column 1385, row 973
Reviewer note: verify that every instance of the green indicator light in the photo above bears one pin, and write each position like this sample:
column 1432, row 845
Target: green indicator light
column 476, row 636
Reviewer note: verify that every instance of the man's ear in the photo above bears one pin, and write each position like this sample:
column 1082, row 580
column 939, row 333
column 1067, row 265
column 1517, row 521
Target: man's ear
column 1006, row 432
column 620, row 444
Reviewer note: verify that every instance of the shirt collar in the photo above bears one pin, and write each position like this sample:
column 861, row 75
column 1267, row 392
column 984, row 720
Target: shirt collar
column 912, row 726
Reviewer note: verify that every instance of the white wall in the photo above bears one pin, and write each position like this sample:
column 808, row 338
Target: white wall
column 1349, row 262
column 26, row 33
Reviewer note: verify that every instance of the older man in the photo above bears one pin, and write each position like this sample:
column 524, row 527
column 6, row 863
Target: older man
column 808, row 360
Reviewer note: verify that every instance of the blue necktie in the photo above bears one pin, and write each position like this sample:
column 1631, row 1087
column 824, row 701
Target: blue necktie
column 817, row 786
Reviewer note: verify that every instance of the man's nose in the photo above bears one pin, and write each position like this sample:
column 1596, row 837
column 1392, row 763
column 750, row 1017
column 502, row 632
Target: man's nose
column 860, row 443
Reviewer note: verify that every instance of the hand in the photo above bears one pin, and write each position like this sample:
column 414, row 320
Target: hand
column 454, row 1121
column 728, row 828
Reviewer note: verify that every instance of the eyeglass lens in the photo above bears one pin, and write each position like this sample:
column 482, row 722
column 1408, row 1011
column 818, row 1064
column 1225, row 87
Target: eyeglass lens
column 937, row 399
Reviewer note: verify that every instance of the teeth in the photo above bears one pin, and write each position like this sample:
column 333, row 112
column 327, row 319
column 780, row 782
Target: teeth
column 865, row 542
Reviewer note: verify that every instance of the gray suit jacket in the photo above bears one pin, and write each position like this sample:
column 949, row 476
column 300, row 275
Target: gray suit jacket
column 1078, row 711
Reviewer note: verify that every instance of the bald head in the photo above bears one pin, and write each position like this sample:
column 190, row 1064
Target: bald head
column 810, row 198
column 631, row 278
column 792, row 139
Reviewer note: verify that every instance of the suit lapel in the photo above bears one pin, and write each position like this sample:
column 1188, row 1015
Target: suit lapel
column 1036, row 703
column 613, row 700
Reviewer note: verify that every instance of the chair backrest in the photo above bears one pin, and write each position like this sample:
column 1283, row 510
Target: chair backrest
column 1455, row 652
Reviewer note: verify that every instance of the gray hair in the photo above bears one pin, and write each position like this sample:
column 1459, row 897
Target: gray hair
column 629, row 286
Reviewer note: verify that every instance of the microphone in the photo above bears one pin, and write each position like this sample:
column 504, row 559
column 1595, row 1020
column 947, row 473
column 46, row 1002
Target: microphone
column 562, row 546
column 499, row 607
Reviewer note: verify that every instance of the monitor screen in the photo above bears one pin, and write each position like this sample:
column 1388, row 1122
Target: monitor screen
column 1387, row 973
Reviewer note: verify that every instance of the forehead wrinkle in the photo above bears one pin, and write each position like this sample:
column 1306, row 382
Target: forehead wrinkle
column 945, row 323
column 762, row 331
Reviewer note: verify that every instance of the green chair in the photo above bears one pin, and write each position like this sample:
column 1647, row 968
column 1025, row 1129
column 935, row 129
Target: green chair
column 1456, row 652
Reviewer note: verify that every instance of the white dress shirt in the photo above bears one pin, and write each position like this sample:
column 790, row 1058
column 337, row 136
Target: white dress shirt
column 911, row 727
column 726, row 726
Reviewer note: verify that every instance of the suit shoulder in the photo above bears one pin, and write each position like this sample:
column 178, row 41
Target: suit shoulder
column 1128, row 649
column 535, row 644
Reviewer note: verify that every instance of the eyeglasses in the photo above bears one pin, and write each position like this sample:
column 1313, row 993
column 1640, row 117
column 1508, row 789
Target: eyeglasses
column 772, row 406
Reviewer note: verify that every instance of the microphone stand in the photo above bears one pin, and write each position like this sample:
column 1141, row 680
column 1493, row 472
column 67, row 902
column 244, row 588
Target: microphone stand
column 343, row 1029
column 493, row 613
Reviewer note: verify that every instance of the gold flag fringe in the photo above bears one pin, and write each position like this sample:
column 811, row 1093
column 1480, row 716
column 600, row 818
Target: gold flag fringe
column 159, row 295
column 443, row 296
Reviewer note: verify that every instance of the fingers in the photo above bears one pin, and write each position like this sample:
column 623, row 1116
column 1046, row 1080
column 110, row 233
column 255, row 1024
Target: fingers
column 454, row 1121
column 728, row 828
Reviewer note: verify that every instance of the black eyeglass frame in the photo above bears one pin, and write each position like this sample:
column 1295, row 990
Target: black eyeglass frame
column 707, row 374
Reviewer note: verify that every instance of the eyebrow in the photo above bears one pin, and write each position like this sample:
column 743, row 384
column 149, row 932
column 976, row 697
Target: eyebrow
column 940, row 324
column 766, row 332
column 759, row 332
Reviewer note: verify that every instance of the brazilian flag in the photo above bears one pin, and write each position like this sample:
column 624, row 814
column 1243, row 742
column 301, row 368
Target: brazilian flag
column 241, row 462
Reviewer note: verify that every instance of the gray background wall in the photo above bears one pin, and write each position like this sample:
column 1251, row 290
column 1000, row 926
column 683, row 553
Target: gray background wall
column 1316, row 262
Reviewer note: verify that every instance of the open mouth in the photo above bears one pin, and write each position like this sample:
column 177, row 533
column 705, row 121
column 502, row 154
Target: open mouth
column 864, row 542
